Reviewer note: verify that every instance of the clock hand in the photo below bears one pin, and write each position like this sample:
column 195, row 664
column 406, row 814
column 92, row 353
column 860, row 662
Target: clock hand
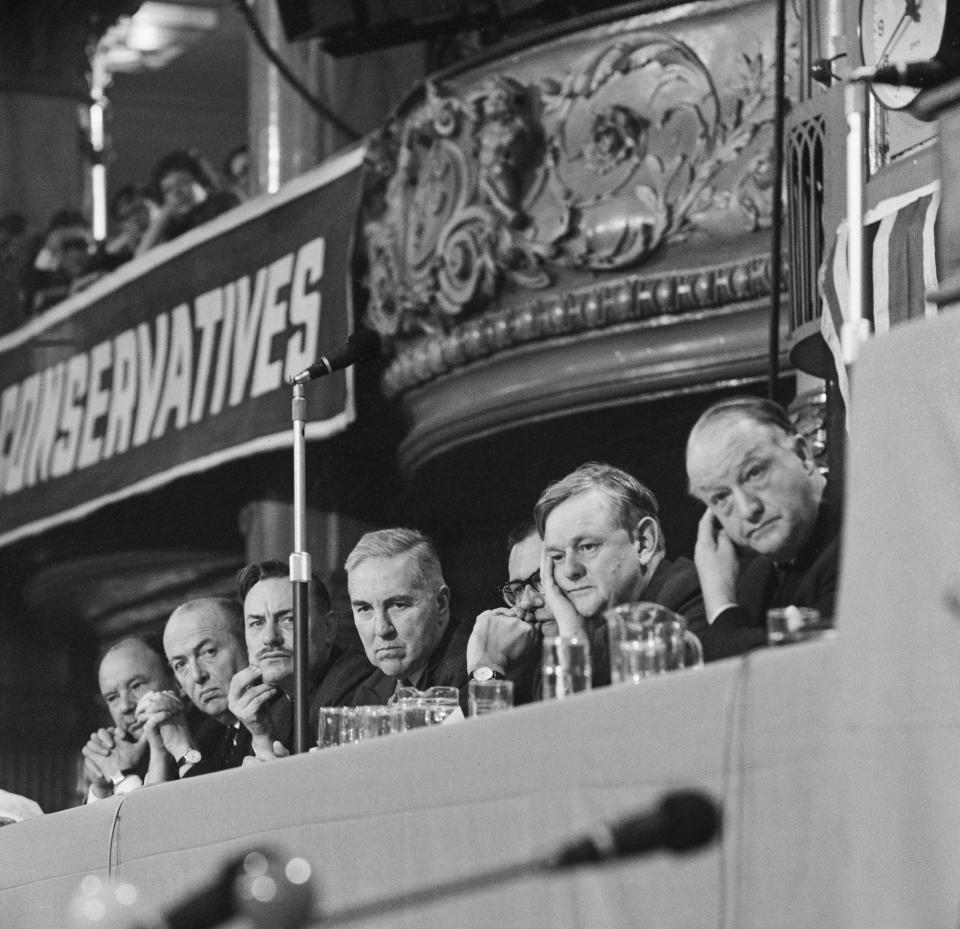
column 884, row 55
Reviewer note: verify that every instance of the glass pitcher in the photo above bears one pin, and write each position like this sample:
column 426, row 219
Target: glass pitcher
column 648, row 639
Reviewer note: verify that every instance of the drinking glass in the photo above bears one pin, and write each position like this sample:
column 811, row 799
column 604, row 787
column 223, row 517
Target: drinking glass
column 489, row 697
column 566, row 666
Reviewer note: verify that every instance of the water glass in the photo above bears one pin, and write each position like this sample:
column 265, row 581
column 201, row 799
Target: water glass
column 648, row 639
column 337, row 726
column 489, row 697
column 375, row 721
column 566, row 666
column 789, row 624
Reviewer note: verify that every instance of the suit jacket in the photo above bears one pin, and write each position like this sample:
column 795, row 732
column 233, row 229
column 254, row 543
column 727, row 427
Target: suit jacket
column 674, row 584
column 809, row 580
column 447, row 667
column 335, row 684
column 221, row 747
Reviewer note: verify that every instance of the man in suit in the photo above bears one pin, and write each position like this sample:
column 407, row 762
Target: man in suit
column 603, row 546
column 769, row 536
column 507, row 642
column 119, row 758
column 261, row 695
column 401, row 608
column 204, row 644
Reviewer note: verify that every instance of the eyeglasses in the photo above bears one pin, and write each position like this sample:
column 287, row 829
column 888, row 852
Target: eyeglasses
column 512, row 591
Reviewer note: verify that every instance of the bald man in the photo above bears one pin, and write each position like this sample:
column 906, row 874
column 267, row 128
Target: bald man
column 204, row 644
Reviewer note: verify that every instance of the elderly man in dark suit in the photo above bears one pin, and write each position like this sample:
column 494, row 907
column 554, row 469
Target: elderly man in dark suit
column 769, row 536
column 401, row 608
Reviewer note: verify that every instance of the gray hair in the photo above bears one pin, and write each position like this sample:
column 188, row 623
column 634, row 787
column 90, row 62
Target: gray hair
column 228, row 608
column 390, row 543
column 630, row 500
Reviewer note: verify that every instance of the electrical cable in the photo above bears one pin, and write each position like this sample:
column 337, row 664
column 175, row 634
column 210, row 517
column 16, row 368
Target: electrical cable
column 776, row 214
column 318, row 106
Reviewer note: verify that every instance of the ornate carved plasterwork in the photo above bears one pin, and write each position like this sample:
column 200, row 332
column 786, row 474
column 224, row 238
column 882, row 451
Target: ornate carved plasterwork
column 485, row 194
column 628, row 299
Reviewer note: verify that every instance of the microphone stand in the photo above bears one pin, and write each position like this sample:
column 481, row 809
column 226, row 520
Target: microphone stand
column 855, row 328
column 300, row 570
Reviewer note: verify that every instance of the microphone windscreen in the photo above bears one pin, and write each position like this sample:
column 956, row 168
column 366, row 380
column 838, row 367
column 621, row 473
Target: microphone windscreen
column 365, row 345
column 691, row 820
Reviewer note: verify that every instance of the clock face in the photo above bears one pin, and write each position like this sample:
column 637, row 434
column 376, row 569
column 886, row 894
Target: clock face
column 893, row 31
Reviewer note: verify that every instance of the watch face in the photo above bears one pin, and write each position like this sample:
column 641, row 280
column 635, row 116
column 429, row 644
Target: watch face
column 895, row 31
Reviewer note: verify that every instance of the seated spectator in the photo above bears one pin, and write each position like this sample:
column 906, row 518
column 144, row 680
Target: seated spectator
column 236, row 172
column 189, row 197
column 17, row 249
column 603, row 546
column 203, row 640
column 769, row 536
column 401, row 607
column 120, row 758
column 509, row 642
column 133, row 209
column 261, row 696
column 64, row 264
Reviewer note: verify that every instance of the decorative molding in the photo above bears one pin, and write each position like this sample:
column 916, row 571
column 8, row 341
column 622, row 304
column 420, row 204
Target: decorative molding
column 591, row 165
column 628, row 299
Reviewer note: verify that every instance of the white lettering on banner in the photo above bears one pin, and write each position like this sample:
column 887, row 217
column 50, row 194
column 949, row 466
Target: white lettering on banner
column 228, row 345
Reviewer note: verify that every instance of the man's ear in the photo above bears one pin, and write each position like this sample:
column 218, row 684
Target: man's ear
column 802, row 447
column 647, row 539
column 443, row 604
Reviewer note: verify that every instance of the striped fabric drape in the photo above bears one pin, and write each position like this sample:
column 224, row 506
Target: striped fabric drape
column 900, row 269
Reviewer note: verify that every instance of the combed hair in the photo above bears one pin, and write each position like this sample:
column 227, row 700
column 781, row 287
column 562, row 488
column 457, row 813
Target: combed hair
column 389, row 543
column 251, row 575
column 631, row 500
column 760, row 410
column 520, row 532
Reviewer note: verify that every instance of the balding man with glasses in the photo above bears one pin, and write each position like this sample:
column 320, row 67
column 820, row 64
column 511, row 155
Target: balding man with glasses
column 507, row 642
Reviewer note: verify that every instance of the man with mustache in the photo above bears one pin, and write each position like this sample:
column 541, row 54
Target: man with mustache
column 119, row 758
column 769, row 536
column 261, row 695
column 203, row 640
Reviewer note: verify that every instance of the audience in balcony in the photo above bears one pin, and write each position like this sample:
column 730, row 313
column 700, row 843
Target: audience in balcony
column 132, row 210
column 190, row 195
column 18, row 245
column 236, row 172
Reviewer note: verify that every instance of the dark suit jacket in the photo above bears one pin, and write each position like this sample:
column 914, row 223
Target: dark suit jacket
column 335, row 684
column 447, row 667
column 220, row 746
column 809, row 580
column 674, row 584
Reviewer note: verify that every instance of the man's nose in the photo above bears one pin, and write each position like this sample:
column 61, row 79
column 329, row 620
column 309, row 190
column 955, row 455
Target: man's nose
column 127, row 703
column 571, row 567
column 272, row 634
column 197, row 671
column 749, row 505
column 382, row 625
column 531, row 599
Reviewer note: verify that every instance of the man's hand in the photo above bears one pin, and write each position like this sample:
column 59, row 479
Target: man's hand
column 161, row 712
column 267, row 753
column 249, row 699
column 717, row 565
column 569, row 621
column 109, row 752
column 500, row 638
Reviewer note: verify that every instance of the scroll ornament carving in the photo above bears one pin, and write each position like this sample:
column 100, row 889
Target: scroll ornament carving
column 494, row 193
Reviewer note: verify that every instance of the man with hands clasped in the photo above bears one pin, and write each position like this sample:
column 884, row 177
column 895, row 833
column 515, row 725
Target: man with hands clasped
column 122, row 757
column 203, row 640
column 769, row 536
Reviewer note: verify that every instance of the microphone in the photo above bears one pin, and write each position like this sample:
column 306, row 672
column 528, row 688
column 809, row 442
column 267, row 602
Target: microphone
column 683, row 821
column 363, row 345
column 921, row 74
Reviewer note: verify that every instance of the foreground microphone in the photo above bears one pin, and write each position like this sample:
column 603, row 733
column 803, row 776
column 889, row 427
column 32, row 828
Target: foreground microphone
column 361, row 346
column 922, row 74
column 683, row 821
column 268, row 889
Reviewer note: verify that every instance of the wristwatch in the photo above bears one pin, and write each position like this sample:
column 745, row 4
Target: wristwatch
column 486, row 674
column 192, row 756
column 118, row 778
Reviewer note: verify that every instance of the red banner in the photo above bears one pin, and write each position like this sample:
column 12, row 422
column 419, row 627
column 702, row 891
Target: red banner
column 177, row 362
